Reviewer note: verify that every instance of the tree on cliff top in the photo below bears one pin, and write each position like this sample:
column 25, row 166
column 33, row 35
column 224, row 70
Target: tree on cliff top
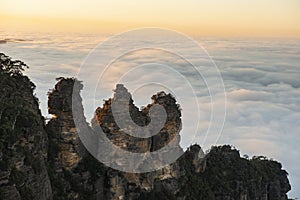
column 11, row 67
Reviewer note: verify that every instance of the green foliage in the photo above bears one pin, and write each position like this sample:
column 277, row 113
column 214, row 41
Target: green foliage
column 20, row 120
column 26, row 193
column 17, row 104
column 225, row 170
column 33, row 161
column 194, row 185
column 53, row 147
column 17, row 177
column 157, row 196
column 92, row 165
column 225, row 173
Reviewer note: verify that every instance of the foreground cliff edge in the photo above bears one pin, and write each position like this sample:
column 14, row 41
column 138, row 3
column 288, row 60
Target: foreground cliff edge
column 48, row 161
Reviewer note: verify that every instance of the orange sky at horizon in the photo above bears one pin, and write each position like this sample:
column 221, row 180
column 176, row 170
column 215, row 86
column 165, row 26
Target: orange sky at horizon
column 269, row 18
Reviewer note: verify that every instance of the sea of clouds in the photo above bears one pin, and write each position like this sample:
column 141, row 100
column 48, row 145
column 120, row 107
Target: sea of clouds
column 261, row 79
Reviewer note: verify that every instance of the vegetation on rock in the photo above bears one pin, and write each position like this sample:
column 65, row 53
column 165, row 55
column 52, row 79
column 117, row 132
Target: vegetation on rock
column 23, row 140
column 39, row 161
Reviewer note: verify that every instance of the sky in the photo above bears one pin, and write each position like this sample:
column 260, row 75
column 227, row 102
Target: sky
column 261, row 76
column 222, row 18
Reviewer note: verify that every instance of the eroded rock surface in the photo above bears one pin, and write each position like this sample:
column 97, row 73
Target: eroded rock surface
column 220, row 174
column 49, row 162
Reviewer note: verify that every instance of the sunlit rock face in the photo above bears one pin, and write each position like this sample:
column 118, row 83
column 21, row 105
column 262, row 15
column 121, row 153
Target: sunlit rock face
column 70, row 156
column 219, row 174
column 69, row 175
column 60, row 106
column 120, row 137
column 170, row 131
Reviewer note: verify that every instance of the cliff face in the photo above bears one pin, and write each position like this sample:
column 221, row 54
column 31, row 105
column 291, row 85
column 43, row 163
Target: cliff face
column 220, row 174
column 75, row 168
column 170, row 130
column 23, row 140
column 73, row 172
column 127, row 186
column 62, row 124
column 49, row 162
column 228, row 176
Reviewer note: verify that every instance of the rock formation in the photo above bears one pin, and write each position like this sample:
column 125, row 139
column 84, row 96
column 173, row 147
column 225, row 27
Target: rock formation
column 62, row 123
column 221, row 174
column 119, row 137
column 39, row 161
column 23, row 139
column 170, row 131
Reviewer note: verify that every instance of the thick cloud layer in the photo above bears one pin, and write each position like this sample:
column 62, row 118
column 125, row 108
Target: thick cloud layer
column 262, row 80
column 261, row 77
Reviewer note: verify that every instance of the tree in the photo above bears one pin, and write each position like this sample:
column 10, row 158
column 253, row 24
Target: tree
column 11, row 67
